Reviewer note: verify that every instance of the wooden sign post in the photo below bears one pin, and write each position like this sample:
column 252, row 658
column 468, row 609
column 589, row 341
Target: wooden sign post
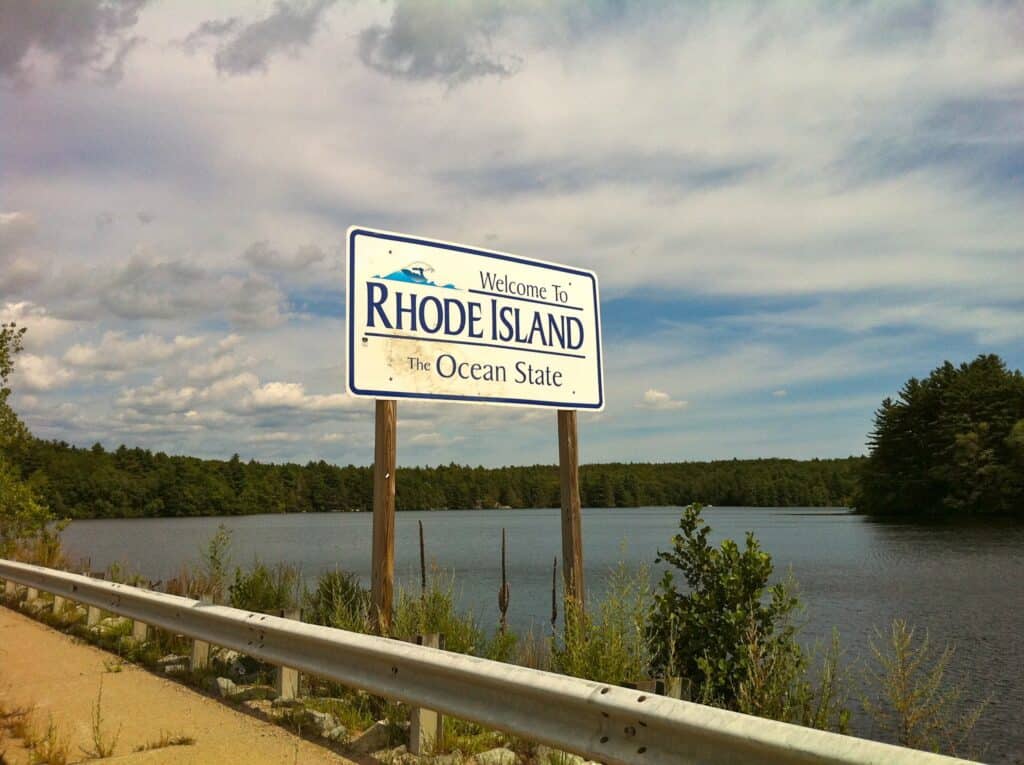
column 382, row 582
column 438, row 321
column 572, row 532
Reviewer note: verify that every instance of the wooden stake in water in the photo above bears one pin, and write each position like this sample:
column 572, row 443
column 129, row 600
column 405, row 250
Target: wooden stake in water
column 505, row 593
column 423, row 566
column 554, row 595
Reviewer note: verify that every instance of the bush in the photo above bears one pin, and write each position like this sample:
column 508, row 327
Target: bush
column 611, row 646
column 339, row 600
column 915, row 705
column 265, row 589
column 434, row 611
column 701, row 635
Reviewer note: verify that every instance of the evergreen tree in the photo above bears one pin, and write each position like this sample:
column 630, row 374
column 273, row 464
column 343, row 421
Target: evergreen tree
column 949, row 444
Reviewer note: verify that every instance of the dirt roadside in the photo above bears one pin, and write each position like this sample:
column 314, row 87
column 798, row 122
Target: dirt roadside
column 60, row 680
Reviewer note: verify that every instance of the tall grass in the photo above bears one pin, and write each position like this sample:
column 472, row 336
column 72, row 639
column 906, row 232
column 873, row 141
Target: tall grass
column 608, row 644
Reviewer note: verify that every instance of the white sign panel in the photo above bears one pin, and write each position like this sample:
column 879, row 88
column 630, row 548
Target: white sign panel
column 440, row 321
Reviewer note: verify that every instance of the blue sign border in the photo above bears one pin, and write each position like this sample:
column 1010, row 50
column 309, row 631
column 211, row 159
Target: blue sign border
column 349, row 314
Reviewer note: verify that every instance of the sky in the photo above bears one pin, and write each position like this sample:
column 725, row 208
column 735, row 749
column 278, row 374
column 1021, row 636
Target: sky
column 792, row 208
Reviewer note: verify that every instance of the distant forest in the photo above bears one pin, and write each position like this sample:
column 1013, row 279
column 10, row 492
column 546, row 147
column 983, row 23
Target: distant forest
column 127, row 483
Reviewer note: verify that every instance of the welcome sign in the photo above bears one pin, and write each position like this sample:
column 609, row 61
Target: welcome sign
column 440, row 321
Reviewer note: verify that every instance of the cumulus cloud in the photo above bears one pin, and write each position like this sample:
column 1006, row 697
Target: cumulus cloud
column 438, row 39
column 245, row 48
column 657, row 399
column 151, row 287
column 287, row 395
column 86, row 35
column 20, row 266
column 262, row 255
column 40, row 373
column 44, row 330
column 118, row 352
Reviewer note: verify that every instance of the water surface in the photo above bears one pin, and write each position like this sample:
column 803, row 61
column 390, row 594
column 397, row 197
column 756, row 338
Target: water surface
column 962, row 584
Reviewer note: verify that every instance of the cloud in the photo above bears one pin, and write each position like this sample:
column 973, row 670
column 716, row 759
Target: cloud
column 433, row 439
column 44, row 330
column 780, row 393
column 287, row 395
column 215, row 368
column 20, row 266
column 151, row 287
column 117, row 352
column 656, row 399
column 248, row 48
column 262, row 255
column 86, row 35
column 437, row 39
column 40, row 373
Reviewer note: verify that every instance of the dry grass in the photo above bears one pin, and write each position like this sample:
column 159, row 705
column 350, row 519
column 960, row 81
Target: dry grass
column 165, row 740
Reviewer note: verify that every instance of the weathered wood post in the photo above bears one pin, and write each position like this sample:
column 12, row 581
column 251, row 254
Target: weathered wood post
column 94, row 614
column 384, row 458
column 140, row 630
column 200, row 648
column 10, row 589
column 286, row 679
column 60, row 603
column 32, row 595
column 426, row 726
column 572, row 532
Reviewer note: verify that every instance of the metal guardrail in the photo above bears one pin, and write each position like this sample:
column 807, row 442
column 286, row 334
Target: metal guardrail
column 602, row 722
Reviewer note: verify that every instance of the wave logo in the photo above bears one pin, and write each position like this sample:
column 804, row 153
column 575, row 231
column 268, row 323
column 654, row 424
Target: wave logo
column 415, row 273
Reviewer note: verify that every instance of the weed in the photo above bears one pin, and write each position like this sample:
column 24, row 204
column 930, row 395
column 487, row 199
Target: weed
column 434, row 611
column 609, row 646
column 339, row 600
column 102, row 746
column 265, row 589
column 49, row 748
column 165, row 741
column 916, row 705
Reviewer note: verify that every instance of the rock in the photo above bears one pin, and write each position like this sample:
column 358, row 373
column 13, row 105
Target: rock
column 225, row 687
column 250, row 692
column 549, row 756
column 499, row 756
column 377, row 736
column 337, row 733
column 286, row 703
column 171, row 658
column 262, row 706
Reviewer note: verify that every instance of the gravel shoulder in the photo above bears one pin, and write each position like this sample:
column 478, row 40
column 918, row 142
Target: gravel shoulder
column 59, row 679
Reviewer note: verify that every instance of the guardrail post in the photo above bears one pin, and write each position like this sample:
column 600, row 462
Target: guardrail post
column 200, row 648
column 140, row 630
column 59, row 604
column 33, row 594
column 10, row 589
column 94, row 614
column 426, row 726
column 286, row 679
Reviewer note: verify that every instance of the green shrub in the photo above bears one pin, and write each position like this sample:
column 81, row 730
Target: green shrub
column 433, row 610
column 701, row 634
column 266, row 589
column 339, row 600
column 909, row 697
column 610, row 644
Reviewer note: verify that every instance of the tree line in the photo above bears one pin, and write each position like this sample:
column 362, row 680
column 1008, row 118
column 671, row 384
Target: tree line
column 77, row 482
